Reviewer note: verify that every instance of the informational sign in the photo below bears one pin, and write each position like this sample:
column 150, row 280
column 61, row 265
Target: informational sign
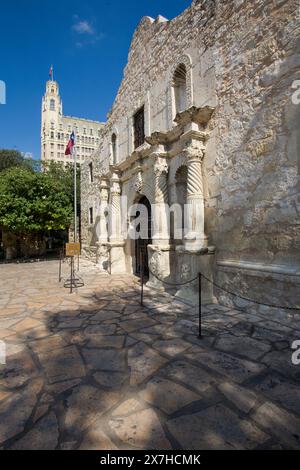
column 72, row 249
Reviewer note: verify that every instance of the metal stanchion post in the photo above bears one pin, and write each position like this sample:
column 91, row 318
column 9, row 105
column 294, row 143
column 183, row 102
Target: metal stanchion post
column 72, row 274
column 59, row 271
column 200, row 302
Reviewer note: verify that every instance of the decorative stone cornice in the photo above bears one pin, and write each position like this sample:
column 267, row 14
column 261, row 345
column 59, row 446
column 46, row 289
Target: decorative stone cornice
column 142, row 149
column 190, row 135
column 200, row 116
column 158, row 151
column 164, row 138
column 155, row 144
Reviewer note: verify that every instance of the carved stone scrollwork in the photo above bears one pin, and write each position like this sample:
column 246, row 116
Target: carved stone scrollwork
column 155, row 263
column 160, row 166
column 138, row 184
column 115, row 188
column 185, row 272
column 193, row 151
column 103, row 177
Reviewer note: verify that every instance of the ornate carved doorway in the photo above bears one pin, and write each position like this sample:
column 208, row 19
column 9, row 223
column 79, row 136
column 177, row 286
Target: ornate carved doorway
column 142, row 242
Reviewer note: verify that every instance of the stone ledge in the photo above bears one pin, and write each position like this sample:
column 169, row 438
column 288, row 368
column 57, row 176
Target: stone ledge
column 260, row 267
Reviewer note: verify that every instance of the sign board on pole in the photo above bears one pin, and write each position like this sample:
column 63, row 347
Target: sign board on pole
column 72, row 249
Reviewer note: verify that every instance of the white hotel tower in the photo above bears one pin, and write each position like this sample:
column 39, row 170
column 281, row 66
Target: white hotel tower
column 56, row 129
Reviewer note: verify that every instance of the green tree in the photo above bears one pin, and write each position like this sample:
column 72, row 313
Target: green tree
column 34, row 201
column 64, row 174
column 12, row 158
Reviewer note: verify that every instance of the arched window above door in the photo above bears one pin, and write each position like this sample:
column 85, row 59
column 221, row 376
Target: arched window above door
column 114, row 148
column 179, row 88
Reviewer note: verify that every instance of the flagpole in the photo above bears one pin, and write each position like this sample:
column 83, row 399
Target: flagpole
column 75, row 191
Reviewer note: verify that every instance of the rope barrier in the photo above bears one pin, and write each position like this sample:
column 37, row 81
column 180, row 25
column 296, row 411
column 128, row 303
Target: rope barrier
column 174, row 284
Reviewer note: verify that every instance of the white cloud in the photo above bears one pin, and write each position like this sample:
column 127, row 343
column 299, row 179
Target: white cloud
column 86, row 33
column 84, row 27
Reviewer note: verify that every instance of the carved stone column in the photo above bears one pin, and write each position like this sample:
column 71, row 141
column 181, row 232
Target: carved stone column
column 102, row 232
column 115, row 209
column 103, row 229
column 160, row 209
column 116, row 242
column 194, row 238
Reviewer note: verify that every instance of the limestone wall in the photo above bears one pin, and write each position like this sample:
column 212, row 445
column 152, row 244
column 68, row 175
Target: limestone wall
column 244, row 58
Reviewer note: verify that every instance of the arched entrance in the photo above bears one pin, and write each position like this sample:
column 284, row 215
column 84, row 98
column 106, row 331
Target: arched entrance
column 142, row 242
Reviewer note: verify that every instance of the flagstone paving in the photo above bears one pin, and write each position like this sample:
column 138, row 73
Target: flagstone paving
column 95, row 370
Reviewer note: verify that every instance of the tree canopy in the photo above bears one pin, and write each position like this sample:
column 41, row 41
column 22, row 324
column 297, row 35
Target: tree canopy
column 32, row 201
column 12, row 158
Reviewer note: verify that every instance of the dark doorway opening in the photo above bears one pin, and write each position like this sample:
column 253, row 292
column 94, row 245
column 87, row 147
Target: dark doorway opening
column 141, row 243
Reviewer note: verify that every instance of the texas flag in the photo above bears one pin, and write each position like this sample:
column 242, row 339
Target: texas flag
column 51, row 72
column 70, row 144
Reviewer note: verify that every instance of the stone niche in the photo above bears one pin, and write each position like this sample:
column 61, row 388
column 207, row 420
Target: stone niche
column 170, row 267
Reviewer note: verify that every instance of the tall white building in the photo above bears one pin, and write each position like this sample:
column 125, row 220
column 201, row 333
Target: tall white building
column 56, row 129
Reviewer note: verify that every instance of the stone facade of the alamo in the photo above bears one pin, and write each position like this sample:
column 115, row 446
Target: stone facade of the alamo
column 205, row 117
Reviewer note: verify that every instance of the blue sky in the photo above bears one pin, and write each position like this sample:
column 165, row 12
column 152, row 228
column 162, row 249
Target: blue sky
column 87, row 42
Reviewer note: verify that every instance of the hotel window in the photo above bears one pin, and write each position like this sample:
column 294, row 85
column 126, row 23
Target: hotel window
column 52, row 105
column 84, row 130
column 91, row 217
column 52, row 135
column 91, row 131
column 139, row 127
